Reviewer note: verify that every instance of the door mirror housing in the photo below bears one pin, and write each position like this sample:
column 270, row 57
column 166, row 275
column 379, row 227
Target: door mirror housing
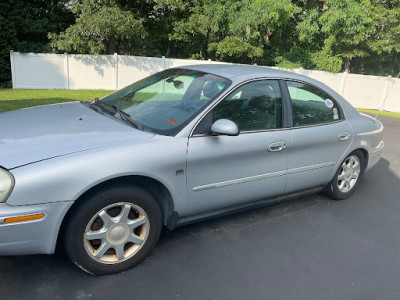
column 224, row 127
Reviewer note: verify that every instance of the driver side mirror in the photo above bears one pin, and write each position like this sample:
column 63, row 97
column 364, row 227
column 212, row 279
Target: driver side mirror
column 224, row 127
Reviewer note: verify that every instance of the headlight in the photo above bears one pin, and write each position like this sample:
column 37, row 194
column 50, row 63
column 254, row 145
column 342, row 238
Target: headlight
column 6, row 185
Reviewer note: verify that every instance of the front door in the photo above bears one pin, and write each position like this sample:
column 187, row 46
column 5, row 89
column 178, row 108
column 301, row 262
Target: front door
column 223, row 171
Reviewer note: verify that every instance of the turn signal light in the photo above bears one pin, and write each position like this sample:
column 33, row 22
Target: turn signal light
column 24, row 218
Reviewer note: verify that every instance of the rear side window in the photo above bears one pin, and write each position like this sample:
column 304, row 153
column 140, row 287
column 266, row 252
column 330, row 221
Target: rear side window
column 311, row 106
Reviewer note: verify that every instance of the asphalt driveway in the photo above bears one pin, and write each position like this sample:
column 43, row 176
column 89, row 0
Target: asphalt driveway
column 307, row 248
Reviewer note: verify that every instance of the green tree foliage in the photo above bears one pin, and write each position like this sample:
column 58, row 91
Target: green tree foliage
column 361, row 36
column 101, row 26
column 386, row 22
column 340, row 31
column 8, row 41
column 24, row 26
column 385, row 41
column 230, row 30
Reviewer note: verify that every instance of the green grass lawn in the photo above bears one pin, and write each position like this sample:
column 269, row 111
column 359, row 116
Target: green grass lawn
column 383, row 113
column 11, row 99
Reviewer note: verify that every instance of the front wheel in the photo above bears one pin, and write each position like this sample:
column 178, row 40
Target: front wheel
column 347, row 176
column 113, row 230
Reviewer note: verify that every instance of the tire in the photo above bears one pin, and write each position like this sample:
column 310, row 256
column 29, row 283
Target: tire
column 347, row 177
column 113, row 229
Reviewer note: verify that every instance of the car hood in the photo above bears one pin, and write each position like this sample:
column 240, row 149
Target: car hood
column 44, row 132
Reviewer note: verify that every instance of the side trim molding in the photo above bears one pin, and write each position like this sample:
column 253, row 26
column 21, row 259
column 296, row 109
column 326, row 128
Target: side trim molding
column 238, row 181
column 261, row 177
column 313, row 167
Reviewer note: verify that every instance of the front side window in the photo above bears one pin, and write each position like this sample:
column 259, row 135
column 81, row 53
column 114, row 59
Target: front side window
column 253, row 106
column 165, row 102
column 311, row 106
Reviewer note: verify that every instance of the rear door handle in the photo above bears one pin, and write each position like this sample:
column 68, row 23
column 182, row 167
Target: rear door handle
column 344, row 136
column 277, row 146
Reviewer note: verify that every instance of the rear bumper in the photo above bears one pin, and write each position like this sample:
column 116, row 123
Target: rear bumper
column 375, row 154
column 31, row 237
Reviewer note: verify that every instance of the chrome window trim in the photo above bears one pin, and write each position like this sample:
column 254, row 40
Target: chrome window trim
column 249, row 131
column 277, row 129
column 262, row 176
column 319, row 124
column 228, row 92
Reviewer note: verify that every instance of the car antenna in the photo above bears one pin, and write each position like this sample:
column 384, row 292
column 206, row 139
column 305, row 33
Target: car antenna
column 384, row 99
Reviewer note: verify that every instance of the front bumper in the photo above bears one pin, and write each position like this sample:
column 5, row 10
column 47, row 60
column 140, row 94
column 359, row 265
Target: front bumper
column 31, row 237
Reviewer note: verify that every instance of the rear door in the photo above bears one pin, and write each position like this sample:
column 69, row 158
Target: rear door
column 319, row 137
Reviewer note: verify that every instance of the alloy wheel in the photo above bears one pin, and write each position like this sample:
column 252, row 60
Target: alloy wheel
column 349, row 173
column 116, row 233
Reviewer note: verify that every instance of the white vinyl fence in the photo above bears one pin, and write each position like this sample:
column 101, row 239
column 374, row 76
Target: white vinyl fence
column 112, row 72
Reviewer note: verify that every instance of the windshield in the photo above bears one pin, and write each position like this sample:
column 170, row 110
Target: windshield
column 165, row 102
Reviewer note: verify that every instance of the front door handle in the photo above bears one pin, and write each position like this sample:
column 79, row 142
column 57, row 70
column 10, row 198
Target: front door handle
column 344, row 136
column 277, row 146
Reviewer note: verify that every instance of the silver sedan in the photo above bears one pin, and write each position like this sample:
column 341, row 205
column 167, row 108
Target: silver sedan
column 183, row 145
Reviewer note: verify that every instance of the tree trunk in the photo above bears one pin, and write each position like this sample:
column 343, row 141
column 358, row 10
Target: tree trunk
column 347, row 65
column 112, row 46
column 324, row 5
column 168, row 49
column 206, row 44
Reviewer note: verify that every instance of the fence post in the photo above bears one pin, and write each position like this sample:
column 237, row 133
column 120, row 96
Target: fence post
column 164, row 62
column 385, row 93
column 116, row 71
column 343, row 83
column 13, row 74
column 209, row 61
column 66, row 70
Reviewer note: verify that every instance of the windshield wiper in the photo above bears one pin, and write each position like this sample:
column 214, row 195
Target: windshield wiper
column 123, row 115
column 126, row 117
column 93, row 105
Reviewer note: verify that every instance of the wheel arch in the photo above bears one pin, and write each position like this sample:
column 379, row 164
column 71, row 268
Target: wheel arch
column 366, row 156
column 330, row 189
column 364, row 151
column 157, row 189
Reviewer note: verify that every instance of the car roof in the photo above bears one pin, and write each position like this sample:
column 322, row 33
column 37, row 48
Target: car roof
column 230, row 71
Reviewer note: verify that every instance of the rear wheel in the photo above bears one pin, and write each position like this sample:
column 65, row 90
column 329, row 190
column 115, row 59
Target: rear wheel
column 347, row 177
column 113, row 230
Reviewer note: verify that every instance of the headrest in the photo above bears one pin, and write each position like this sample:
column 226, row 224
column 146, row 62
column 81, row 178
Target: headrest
column 210, row 89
